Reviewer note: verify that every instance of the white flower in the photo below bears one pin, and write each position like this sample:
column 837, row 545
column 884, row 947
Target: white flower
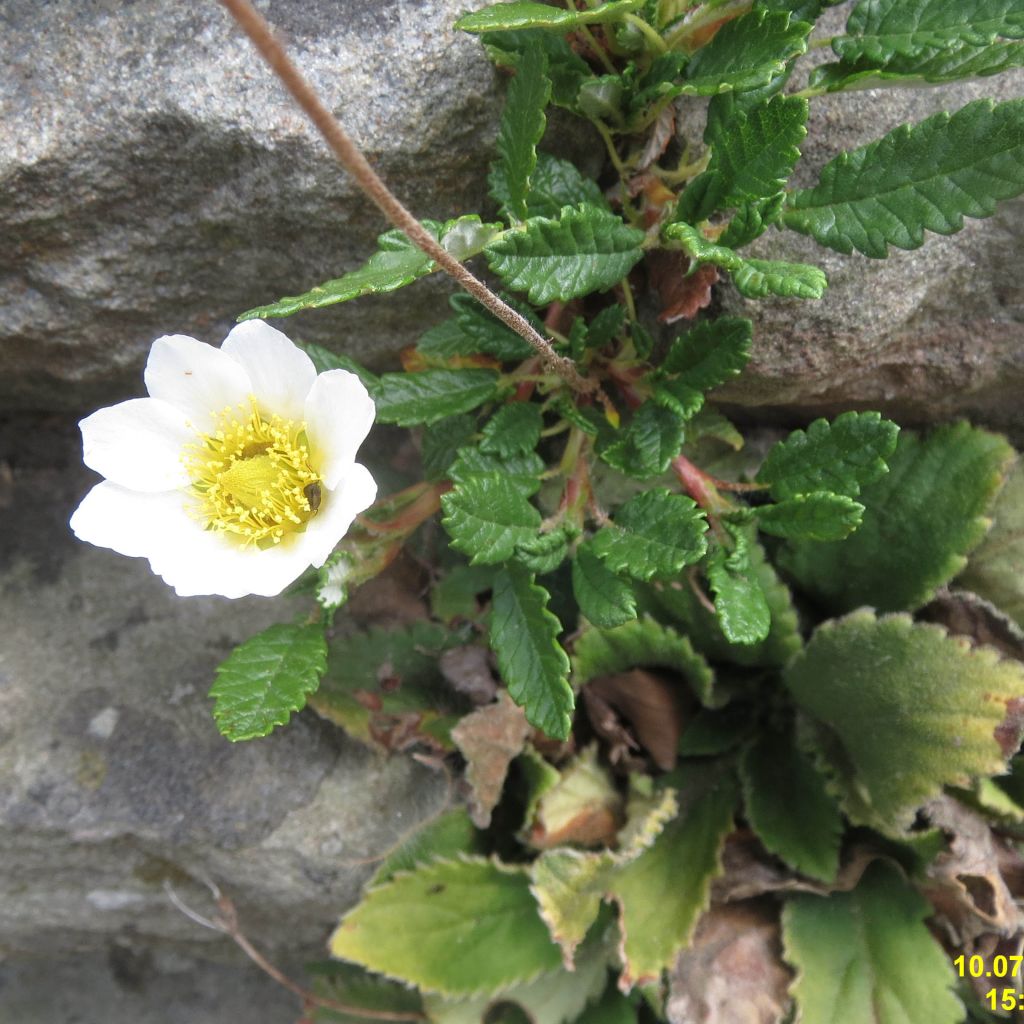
column 237, row 473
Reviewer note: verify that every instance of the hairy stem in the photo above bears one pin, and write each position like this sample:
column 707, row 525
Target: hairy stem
column 352, row 159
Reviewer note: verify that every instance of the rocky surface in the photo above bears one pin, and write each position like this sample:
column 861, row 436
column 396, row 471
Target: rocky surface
column 154, row 179
column 115, row 780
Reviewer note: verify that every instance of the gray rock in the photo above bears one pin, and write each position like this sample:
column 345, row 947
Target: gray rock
column 925, row 335
column 113, row 777
column 155, row 179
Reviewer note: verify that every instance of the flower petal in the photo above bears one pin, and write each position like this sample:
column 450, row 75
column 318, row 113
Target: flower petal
column 281, row 373
column 127, row 521
column 338, row 510
column 339, row 414
column 138, row 444
column 198, row 379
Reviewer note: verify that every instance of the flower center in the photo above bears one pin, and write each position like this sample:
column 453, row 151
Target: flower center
column 251, row 477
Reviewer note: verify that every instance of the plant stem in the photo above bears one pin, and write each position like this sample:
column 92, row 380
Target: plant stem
column 657, row 43
column 352, row 159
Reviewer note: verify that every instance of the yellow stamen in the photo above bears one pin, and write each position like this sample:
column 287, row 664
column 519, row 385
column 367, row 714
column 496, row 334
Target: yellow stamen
column 251, row 477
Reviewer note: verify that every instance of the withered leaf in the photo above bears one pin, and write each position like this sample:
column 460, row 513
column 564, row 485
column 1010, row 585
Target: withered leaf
column 682, row 297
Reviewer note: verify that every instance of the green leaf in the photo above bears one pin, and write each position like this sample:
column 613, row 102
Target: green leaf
column 445, row 838
column 521, row 14
column 524, row 637
column 741, row 606
column 431, row 395
column 907, row 710
column 513, row 430
column 841, row 456
column 474, row 904
column 820, row 515
column 653, row 534
column 642, row 643
column 788, row 806
column 920, row 177
column 487, row 516
column 397, row 263
column 324, row 359
column 605, row 327
column 554, row 183
column 679, row 605
column 546, row 551
column 645, row 447
column 584, row 250
column 880, row 28
column 522, row 126
column 866, row 957
column 746, row 53
column 753, row 278
column 454, row 596
column 605, row 599
column 566, row 69
column 753, row 152
column 441, row 443
column 710, row 353
column 265, row 679
column 521, row 471
column 751, row 221
column 995, row 570
column 352, row 986
column 663, row 892
column 358, row 691
column 920, row 521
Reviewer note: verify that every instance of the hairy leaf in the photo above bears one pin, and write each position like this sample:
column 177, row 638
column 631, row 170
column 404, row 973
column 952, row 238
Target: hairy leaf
column 585, row 249
column 524, row 636
column 605, row 598
column 741, row 606
column 555, row 183
column 475, row 904
column 474, row 330
column 521, row 471
column 788, row 806
column 920, row 177
column 444, row 838
column 522, row 126
column 907, row 710
column 820, row 515
column 519, row 14
column 920, row 521
column 866, row 957
column 513, row 430
column 706, row 356
column 408, row 399
column 645, row 447
column 487, row 516
column 355, row 987
column 655, row 533
column 753, row 278
column 641, row 643
column 841, row 456
column 266, row 678
column 545, row 552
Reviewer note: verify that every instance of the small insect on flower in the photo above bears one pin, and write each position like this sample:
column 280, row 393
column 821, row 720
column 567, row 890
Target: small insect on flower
column 237, row 473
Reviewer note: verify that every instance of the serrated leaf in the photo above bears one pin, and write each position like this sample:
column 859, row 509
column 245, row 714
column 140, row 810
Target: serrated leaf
column 352, row 986
column 647, row 444
column 995, row 570
column 753, row 152
column 408, row 399
column 907, row 710
column 920, row 521
column 454, row 596
column 605, row 326
column 521, row 471
column 545, row 552
column 605, row 599
column 820, row 515
column 841, row 456
column 709, row 354
column 653, row 534
column 641, row 643
column 520, row 14
column 878, row 29
column 866, row 957
column 920, row 177
column 750, row 221
column 752, row 277
column 566, row 69
column 524, row 637
column 663, row 892
column 266, row 678
column 678, row 604
column 444, row 838
column 741, row 606
column 486, row 516
column 555, row 183
column 441, row 443
column 777, row 780
column 358, row 691
column 397, row 263
column 479, row 906
column 584, row 250
column 483, row 332
column 513, row 430
column 522, row 125
column 324, row 359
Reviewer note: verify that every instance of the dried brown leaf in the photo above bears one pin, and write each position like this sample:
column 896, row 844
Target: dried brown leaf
column 468, row 670
column 682, row 297
column 964, row 612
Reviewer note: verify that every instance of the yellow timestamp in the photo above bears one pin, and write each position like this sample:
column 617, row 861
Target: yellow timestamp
column 1004, row 999
column 1000, row 967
